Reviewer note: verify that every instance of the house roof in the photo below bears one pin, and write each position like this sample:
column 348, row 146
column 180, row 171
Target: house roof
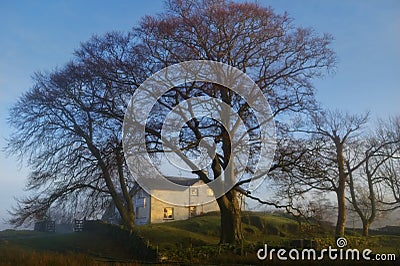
column 183, row 181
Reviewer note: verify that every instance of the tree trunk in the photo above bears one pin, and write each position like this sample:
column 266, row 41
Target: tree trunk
column 231, row 222
column 127, row 214
column 366, row 225
column 129, row 223
column 340, row 191
column 341, row 218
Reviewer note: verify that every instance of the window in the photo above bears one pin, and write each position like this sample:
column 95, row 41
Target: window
column 210, row 192
column 194, row 191
column 192, row 211
column 168, row 213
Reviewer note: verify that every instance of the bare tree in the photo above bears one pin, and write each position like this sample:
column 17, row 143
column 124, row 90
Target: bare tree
column 280, row 58
column 390, row 174
column 67, row 129
column 323, row 165
column 364, row 166
column 390, row 169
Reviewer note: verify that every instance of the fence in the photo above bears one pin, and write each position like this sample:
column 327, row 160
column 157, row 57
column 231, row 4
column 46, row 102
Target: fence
column 45, row 226
column 79, row 225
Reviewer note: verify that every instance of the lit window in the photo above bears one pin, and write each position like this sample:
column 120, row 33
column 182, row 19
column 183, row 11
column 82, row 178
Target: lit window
column 192, row 211
column 168, row 213
column 210, row 192
column 194, row 191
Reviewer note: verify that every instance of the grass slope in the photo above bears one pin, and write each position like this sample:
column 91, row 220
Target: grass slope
column 195, row 240
column 190, row 241
column 36, row 248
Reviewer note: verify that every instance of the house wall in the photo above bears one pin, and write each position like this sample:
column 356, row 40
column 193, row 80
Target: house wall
column 142, row 205
column 192, row 197
column 149, row 209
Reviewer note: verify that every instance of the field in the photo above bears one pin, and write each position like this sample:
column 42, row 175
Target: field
column 85, row 248
column 194, row 241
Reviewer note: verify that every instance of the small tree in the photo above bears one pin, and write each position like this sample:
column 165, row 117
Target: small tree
column 364, row 178
column 323, row 166
column 389, row 171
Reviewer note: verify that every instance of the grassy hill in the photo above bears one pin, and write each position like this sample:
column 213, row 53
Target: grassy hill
column 36, row 248
column 193, row 241
column 204, row 230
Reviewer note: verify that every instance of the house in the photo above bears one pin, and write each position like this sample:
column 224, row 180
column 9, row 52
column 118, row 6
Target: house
column 149, row 209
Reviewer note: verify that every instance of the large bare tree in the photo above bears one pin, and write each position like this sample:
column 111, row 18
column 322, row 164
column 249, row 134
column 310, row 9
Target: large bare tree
column 68, row 130
column 281, row 58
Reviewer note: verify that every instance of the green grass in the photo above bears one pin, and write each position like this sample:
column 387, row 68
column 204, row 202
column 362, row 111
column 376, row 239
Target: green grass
column 205, row 229
column 13, row 234
column 191, row 241
column 196, row 240
column 17, row 255
column 83, row 248
column 198, row 231
column 96, row 245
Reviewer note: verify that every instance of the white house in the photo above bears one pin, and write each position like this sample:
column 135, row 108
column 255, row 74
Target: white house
column 149, row 209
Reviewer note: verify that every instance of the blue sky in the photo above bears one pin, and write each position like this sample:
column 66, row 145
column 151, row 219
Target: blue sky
column 41, row 35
